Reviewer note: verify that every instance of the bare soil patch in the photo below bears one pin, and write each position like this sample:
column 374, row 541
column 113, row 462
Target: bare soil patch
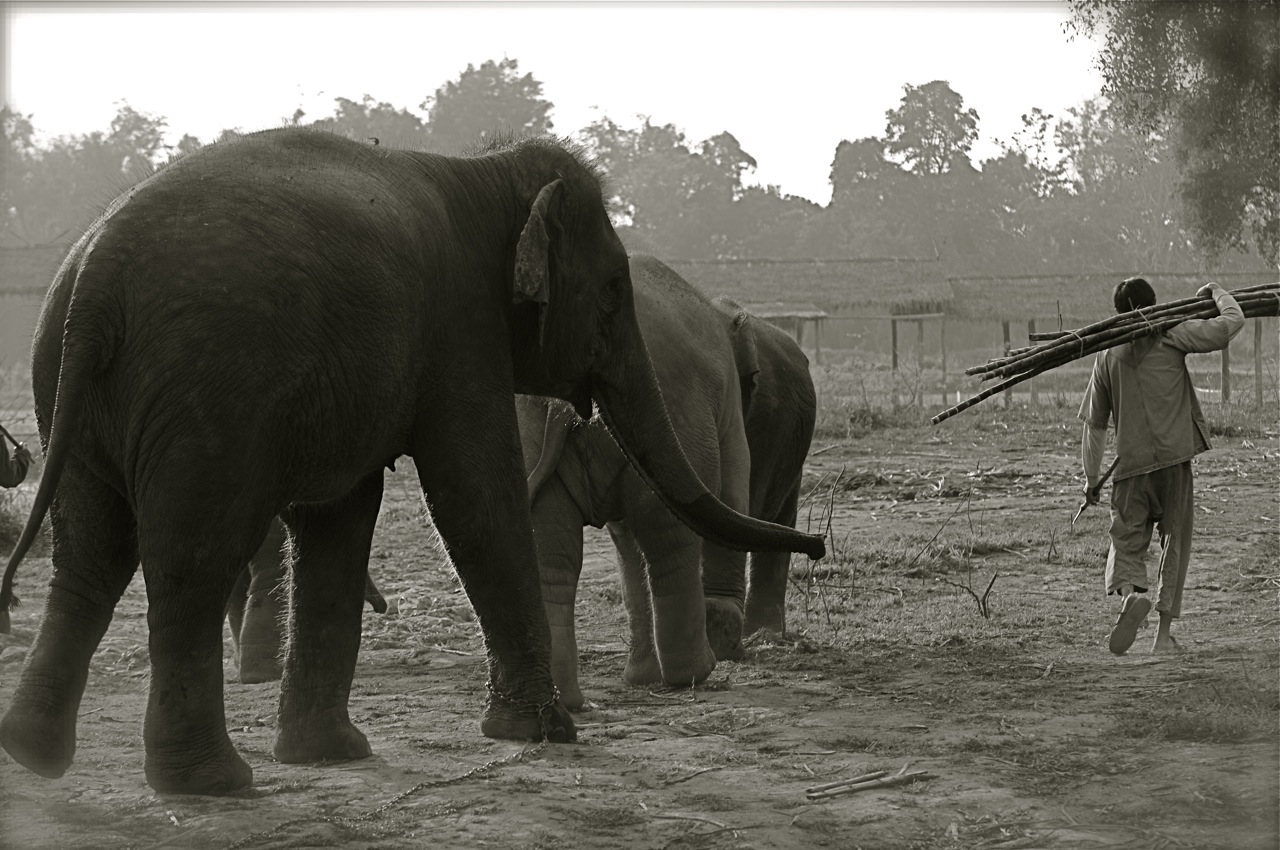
column 1035, row 735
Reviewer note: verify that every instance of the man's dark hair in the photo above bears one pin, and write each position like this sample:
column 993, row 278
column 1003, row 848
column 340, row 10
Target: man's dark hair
column 1133, row 294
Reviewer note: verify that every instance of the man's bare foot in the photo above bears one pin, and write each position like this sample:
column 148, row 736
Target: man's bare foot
column 1165, row 644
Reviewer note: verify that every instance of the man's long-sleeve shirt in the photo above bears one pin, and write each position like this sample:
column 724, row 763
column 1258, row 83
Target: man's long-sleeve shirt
column 1145, row 387
column 12, row 470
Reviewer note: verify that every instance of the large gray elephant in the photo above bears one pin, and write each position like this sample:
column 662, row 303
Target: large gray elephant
column 742, row 402
column 258, row 604
column 258, row 329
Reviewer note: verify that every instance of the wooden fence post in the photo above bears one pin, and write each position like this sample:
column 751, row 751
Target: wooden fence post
column 893, row 345
column 1226, row 375
column 1031, row 385
column 817, row 341
column 1257, row 360
column 942, row 343
column 920, row 361
column 1004, row 326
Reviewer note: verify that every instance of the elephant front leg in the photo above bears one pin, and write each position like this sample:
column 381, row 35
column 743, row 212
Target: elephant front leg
column 642, row 659
column 470, row 467
column 330, row 562
column 557, row 532
column 671, row 553
column 94, row 557
column 261, row 637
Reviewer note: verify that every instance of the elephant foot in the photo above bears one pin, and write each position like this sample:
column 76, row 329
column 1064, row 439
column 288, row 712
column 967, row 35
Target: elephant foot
column 571, row 697
column 37, row 741
column 259, row 664
column 525, row 721
column 770, row 619
column 642, row 669
column 339, row 740
column 219, row 774
column 724, row 628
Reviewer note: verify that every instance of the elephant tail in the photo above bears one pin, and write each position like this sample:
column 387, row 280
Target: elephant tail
column 87, row 347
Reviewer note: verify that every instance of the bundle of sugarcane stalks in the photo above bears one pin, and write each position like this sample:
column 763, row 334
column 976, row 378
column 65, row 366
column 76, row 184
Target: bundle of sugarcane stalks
column 1063, row 347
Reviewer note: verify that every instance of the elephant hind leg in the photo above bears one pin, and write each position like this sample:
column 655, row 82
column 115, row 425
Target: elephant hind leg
column 330, row 551
column 192, row 552
column 766, row 607
column 94, row 557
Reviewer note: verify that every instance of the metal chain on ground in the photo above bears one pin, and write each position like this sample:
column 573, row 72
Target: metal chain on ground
column 385, row 807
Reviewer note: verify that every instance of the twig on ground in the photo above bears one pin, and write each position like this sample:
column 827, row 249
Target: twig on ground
column 688, row 817
column 981, row 600
column 687, row 777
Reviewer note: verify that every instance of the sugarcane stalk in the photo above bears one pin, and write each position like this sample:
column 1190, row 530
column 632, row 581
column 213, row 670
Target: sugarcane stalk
column 1099, row 342
column 1252, row 306
column 1247, row 295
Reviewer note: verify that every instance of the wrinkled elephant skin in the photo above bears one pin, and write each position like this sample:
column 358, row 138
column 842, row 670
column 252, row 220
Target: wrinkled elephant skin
column 740, row 396
column 256, row 330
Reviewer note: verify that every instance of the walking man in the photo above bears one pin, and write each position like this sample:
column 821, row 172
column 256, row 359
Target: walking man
column 1145, row 388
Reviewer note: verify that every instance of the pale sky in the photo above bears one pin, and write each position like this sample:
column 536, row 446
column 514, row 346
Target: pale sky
column 789, row 80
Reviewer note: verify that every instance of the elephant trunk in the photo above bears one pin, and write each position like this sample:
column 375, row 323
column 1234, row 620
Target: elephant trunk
column 632, row 407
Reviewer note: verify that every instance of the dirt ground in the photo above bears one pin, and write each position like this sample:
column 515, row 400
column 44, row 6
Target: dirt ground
column 1031, row 733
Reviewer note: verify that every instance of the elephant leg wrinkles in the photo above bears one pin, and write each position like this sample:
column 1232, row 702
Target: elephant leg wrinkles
column 330, row 551
column 94, row 557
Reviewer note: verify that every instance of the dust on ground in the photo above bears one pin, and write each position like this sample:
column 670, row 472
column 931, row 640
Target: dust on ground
column 1032, row 733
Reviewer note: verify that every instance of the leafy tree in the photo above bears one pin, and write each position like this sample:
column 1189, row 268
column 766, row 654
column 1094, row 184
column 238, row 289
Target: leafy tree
column 1042, row 166
column 370, row 119
column 1207, row 76
column 677, row 195
column 931, row 130
column 55, row 189
column 484, row 101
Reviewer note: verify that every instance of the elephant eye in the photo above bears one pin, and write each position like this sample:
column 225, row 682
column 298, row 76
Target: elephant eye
column 611, row 296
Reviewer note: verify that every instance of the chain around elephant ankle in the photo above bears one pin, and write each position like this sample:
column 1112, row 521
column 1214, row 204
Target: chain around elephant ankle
column 542, row 709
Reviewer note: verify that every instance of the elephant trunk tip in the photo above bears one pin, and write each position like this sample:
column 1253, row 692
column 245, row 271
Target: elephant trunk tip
column 817, row 550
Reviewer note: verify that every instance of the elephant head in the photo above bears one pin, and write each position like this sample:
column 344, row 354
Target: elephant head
column 576, row 337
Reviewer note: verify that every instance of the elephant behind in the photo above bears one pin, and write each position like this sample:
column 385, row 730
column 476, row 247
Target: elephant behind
column 743, row 406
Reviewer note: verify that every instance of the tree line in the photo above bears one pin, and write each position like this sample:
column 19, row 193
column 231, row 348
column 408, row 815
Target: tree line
column 1114, row 183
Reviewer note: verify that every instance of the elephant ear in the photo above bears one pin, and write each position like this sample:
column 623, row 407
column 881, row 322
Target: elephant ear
column 743, row 334
column 533, row 268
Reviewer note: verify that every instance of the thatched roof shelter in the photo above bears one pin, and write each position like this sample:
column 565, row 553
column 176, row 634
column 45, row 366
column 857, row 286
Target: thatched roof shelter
column 849, row 286
column 1079, row 298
